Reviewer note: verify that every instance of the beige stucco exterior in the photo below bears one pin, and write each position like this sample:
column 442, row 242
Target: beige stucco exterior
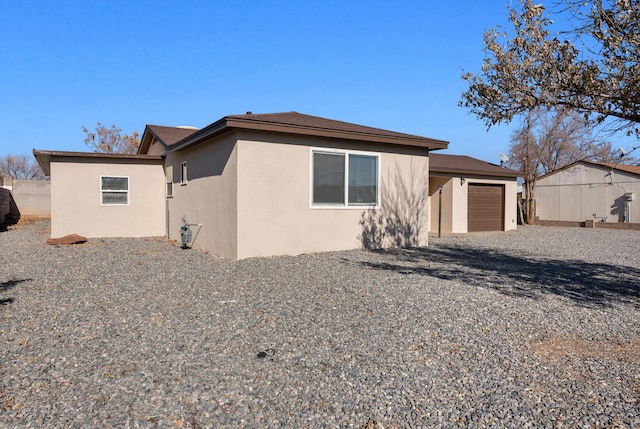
column 581, row 191
column 248, row 193
column 209, row 196
column 252, row 195
column 455, row 201
column 156, row 148
column 76, row 198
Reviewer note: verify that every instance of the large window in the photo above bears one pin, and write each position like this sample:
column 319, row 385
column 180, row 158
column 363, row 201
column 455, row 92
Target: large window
column 344, row 178
column 114, row 190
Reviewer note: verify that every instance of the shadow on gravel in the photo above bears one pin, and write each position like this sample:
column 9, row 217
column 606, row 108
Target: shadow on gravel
column 8, row 285
column 587, row 284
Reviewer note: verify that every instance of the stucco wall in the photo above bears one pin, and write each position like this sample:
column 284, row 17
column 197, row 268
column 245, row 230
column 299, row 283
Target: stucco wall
column 76, row 199
column 444, row 217
column 275, row 215
column 579, row 192
column 209, row 197
column 32, row 197
column 156, row 148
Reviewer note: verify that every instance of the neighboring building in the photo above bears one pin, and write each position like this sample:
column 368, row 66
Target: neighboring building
column 476, row 195
column 24, row 198
column 588, row 190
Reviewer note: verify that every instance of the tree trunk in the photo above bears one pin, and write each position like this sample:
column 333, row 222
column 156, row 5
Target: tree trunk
column 522, row 220
column 531, row 211
column 531, row 203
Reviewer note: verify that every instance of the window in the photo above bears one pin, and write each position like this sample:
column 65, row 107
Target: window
column 363, row 180
column 344, row 179
column 183, row 173
column 114, row 190
column 328, row 178
column 168, row 171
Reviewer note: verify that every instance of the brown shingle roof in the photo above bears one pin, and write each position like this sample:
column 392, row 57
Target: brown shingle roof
column 628, row 168
column 297, row 123
column 308, row 121
column 170, row 135
column 633, row 169
column 461, row 164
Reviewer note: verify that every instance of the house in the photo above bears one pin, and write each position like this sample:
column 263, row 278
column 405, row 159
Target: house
column 253, row 185
column 474, row 195
column 586, row 190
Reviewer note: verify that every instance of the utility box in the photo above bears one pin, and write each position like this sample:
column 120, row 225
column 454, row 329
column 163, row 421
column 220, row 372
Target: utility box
column 185, row 234
column 628, row 196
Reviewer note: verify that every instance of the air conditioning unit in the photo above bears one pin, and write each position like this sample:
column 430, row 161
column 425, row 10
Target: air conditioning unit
column 628, row 196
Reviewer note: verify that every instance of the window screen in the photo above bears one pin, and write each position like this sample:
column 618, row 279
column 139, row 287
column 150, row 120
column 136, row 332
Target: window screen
column 363, row 180
column 328, row 178
column 114, row 190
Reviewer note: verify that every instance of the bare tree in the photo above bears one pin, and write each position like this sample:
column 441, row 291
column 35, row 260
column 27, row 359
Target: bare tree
column 592, row 67
column 20, row 167
column 548, row 140
column 111, row 140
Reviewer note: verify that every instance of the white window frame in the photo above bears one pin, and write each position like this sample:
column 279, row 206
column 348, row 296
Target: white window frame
column 127, row 191
column 183, row 173
column 345, row 205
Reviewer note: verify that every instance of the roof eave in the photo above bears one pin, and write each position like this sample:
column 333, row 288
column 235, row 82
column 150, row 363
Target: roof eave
column 594, row 164
column 44, row 157
column 228, row 123
column 218, row 127
column 472, row 172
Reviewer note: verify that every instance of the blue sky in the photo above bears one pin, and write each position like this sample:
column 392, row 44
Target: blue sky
column 391, row 65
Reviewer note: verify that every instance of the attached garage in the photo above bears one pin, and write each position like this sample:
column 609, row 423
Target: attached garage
column 471, row 195
column 486, row 207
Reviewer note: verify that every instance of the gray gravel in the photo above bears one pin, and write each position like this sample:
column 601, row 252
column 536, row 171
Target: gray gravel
column 534, row 328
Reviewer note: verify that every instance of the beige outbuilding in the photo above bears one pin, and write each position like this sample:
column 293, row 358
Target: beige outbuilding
column 588, row 191
column 105, row 195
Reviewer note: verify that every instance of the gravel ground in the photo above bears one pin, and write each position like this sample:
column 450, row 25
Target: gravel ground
column 534, row 328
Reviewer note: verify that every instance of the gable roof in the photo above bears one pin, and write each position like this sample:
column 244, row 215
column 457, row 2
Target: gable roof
column 465, row 165
column 633, row 169
column 300, row 124
column 165, row 135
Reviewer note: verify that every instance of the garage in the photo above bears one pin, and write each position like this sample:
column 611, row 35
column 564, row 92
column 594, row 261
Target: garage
column 468, row 194
column 486, row 207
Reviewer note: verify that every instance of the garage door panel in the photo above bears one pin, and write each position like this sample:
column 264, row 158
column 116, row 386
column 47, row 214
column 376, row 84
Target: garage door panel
column 486, row 207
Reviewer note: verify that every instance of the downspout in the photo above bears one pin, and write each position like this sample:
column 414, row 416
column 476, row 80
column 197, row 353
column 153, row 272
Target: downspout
column 439, row 210
column 167, row 216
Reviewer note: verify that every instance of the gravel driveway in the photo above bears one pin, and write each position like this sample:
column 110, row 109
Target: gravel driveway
column 539, row 327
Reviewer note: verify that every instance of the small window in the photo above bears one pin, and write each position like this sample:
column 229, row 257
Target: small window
column 183, row 173
column 168, row 171
column 344, row 179
column 114, row 190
